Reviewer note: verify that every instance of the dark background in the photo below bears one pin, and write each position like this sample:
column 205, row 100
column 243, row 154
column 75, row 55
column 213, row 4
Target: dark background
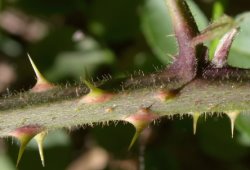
column 118, row 38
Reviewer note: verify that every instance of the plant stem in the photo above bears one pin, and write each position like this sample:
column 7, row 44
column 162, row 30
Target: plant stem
column 198, row 96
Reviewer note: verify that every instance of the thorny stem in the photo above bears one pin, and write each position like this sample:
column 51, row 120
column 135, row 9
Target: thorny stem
column 202, row 88
column 186, row 62
column 197, row 96
column 199, row 84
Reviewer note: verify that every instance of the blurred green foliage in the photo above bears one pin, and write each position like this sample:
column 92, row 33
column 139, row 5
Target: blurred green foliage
column 116, row 37
column 240, row 52
column 156, row 26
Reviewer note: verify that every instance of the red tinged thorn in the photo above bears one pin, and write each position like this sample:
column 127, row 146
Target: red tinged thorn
column 95, row 95
column 42, row 84
column 140, row 120
column 24, row 135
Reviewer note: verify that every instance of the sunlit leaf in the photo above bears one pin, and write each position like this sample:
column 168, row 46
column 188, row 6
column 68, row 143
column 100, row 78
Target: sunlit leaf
column 157, row 28
column 240, row 51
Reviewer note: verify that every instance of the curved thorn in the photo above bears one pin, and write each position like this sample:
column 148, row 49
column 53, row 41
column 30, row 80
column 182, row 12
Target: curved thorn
column 42, row 84
column 39, row 140
column 140, row 120
column 39, row 76
column 24, row 135
column 23, row 143
column 136, row 135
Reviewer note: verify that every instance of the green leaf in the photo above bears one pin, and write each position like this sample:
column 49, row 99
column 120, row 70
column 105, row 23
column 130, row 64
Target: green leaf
column 242, row 124
column 239, row 55
column 5, row 162
column 218, row 9
column 215, row 30
column 87, row 55
column 157, row 27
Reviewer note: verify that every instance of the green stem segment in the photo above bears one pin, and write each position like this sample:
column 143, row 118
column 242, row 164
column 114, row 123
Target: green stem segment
column 197, row 96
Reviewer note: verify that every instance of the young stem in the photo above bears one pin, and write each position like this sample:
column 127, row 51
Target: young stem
column 183, row 22
column 185, row 28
